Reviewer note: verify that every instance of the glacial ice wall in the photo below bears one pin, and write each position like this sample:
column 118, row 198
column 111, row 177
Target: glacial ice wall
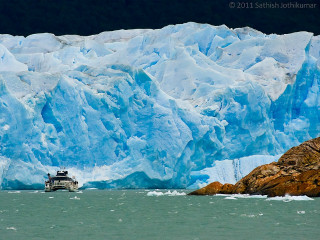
column 170, row 108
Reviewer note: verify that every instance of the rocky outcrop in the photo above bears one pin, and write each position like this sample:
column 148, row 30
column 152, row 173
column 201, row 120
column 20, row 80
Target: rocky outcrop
column 296, row 173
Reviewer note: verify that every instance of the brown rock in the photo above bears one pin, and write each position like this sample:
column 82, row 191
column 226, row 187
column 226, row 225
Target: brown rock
column 211, row 189
column 214, row 188
column 296, row 173
column 227, row 188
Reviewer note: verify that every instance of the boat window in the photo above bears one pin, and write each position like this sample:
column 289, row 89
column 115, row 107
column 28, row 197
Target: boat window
column 61, row 179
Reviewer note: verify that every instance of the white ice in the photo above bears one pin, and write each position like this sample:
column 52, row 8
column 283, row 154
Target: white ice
column 289, row 198
column 241, row 196
column 168, row 193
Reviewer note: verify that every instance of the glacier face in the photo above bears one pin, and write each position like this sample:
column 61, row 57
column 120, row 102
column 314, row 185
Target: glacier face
column 175, row 107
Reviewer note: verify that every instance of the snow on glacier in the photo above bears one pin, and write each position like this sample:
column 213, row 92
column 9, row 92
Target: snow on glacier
column 174, row 107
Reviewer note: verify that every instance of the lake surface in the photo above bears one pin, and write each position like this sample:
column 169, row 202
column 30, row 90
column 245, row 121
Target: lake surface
column 154, row 214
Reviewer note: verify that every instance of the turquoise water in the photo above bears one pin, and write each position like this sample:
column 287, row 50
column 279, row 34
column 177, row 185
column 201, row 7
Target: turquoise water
column 133, row 214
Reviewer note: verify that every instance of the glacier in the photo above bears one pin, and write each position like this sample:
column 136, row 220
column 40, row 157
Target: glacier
column 176, row 107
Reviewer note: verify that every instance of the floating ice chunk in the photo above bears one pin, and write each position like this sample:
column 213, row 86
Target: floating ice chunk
column 11, row 228
column 237, row 196
column 75, row 198
column 154, row 193
column 231, row 198
column 301, row 212
column 289, row 198
column 249, row 196
column 14, row 192
column 249, row 215
column 168, row 193
column 174, row 193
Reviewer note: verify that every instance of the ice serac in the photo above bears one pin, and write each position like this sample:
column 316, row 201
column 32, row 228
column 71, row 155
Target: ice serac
column 175, row 107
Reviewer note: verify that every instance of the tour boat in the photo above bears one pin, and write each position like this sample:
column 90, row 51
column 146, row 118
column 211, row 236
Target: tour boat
column 61, row 181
